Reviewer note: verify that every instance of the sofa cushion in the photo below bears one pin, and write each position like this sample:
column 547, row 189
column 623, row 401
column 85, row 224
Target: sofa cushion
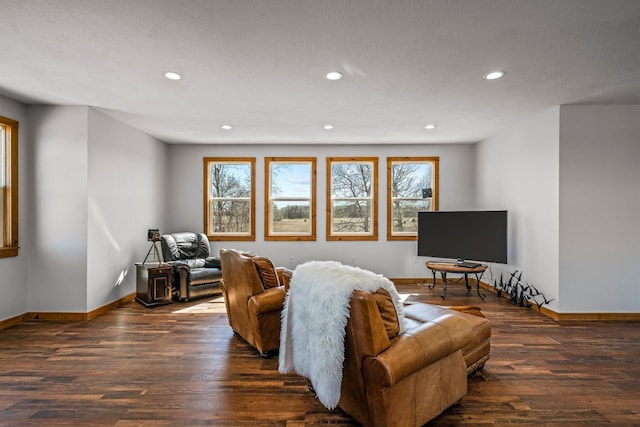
column 266, row 271
column 388, row 312
column 185, row 245
column 200, row 276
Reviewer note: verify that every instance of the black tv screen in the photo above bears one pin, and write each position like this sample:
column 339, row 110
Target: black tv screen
column 463, row 235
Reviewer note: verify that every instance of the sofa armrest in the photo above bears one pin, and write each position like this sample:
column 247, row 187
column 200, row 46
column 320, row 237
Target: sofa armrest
column 417, row 348
column 270, row 300
column 176, row 266
column 284, row 276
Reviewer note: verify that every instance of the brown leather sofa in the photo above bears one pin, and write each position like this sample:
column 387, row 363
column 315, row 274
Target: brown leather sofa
column 402, row 379
column 254, row 294
column 478, row 349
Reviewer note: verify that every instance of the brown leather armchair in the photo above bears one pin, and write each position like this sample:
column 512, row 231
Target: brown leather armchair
column 401, row 379
column 254, row 294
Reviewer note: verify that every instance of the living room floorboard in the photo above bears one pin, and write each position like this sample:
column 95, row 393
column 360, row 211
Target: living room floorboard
column 181, row 365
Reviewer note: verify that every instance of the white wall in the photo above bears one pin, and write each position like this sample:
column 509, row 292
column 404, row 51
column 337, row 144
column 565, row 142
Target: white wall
column 58, row 217
column 126, row 196
column 90, row 187
column 392, row 258
column 599, row 208
column 13, row 271
column 97, row 187
column 518, row 170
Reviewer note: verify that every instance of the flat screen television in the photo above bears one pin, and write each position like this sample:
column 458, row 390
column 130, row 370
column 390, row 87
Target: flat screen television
column 463, row 235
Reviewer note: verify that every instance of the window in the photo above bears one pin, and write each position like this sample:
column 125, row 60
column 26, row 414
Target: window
column 229, row 195
column 352, row 204
column 412, row 186
column 290, row 198
column 9, row 187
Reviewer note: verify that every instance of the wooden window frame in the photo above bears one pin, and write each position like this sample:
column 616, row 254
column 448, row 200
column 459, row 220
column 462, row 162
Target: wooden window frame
column 268, row 233
column 9, row 245
column 435, row 192
column 373, row 235
column 251, row 236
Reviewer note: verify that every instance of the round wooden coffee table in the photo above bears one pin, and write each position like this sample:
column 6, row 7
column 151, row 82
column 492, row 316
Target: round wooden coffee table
column 454, row 268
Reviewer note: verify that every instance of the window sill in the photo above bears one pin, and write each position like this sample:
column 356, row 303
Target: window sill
column 11, row 251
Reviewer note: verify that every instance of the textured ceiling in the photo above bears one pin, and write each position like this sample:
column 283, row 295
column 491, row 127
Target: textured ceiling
column 259, row 65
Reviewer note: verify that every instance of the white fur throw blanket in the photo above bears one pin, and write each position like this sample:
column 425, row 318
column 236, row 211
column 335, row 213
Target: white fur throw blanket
column 314, row 317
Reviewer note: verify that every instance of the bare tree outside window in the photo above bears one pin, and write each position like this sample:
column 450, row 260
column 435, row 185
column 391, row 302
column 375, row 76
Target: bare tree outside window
column 230, row 198
column 412, row 187
column 352, row 203
column 290, row 198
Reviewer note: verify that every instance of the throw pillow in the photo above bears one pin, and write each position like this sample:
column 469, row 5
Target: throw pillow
column 266, row 271
column 387, row 312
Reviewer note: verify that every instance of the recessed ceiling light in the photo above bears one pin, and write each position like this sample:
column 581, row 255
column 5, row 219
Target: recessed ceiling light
column 334, row 75
column 494, row 75
column 172, row 76
column 430, row 127
column 328, row 127
column 226, row 127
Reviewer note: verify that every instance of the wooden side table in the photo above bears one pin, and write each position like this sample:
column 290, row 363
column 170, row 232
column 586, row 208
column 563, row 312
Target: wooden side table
column 445, row 268
column 153, row 284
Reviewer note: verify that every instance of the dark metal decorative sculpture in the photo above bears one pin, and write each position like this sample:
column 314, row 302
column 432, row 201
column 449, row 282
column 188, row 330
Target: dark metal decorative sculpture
column 520, row 293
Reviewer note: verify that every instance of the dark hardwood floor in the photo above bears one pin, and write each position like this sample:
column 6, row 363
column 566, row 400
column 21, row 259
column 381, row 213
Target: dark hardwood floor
column 181, row 365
